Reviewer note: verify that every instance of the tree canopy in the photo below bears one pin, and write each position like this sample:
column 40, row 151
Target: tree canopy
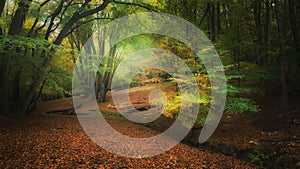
column 258, row 42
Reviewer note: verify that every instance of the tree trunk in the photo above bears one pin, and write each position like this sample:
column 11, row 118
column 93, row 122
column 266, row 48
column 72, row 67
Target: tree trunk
column 295, row 43
column 16, row 90
column 4, row 69
column 259, row 30
column 2, row 5
column 209, row 19
column 219, row 25
column 21, row 110
column 54, row 15
column 15, row 29
column 281, row 59
column 204, row 15
column 34, row 100
column 19, row 17
column 293, row 21
column 102, row 92
column 213, row 22
column 25, row 101
column 266, row 29
column 100, row 78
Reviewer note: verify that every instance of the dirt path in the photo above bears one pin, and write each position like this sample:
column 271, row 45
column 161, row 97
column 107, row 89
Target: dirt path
column 58, row 141
column 277, row 140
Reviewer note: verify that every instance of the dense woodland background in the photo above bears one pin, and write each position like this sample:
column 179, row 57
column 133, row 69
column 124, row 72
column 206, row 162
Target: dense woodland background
column 258, row 43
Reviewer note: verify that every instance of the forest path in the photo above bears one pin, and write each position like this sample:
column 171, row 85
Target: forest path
column 235, row 132
column 50, row 141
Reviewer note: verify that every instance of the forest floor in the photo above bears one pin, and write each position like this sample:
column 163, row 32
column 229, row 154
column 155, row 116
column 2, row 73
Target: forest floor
column 43, row 140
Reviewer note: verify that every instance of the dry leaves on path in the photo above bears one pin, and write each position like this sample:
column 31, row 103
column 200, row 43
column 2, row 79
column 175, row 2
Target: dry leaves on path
column 58, row 141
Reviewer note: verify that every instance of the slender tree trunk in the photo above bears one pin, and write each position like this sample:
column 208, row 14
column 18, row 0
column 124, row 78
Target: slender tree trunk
column 102, row 93
column 100, row 79
column 281, row 59
column 298, row 7
column 34, row 100
column 204, row 15
column 111, row 64
column 266, row 29
column 297, row 20
column 209, row 19
column 296, row 46
column 293, row 21
column 239, row 54
column 213, row 22
column 219, row 25
column 259, row 30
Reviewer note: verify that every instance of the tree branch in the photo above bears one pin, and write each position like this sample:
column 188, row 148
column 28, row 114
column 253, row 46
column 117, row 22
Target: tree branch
column 135, row 4
column 77, row 16
column 61, row 17
column 86, row 22
column 37, row 17
column 204, row 15
column 55, row 14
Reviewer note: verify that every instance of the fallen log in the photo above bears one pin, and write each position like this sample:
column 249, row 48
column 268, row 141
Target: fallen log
column 67, row 111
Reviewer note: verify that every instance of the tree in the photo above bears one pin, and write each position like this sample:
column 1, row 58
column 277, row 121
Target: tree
column 53, row 22
column 2, row 5
column 33, row 31
column 281, row 59
column 257, row 8
column 19, row 17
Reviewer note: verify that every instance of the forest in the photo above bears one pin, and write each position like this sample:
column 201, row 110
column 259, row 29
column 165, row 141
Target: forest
column 49, row 47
